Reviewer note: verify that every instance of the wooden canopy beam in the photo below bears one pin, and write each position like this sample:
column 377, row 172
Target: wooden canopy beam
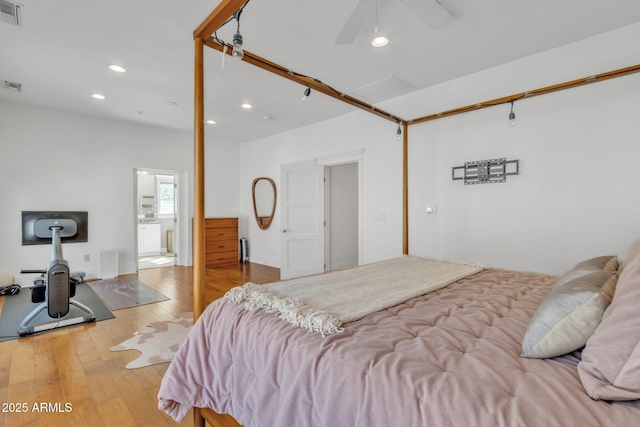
column 542, row 91
column 309, row 82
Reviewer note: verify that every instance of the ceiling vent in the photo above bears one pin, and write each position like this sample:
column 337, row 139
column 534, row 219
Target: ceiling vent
column 11, row 13
column 17, row 87
column 387, row 88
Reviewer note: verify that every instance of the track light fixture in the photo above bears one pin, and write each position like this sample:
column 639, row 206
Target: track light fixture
column 307, row 92
column 512, row 115
column 237, row 40
column 237, row 53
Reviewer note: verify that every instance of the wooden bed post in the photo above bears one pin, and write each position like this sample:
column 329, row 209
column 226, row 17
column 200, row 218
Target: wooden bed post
column 225, row 9
column 198, row 178
column 405, row 188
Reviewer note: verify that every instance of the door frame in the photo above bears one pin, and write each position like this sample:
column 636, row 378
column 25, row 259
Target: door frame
column 336, row 160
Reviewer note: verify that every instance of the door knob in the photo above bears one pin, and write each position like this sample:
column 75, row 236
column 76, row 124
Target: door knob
column 284, row 230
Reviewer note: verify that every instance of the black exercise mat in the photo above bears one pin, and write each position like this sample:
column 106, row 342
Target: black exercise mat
column 17, row 307
column 126, row 293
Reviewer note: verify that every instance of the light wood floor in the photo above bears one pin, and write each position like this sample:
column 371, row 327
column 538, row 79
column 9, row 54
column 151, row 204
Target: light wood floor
column 74, row 365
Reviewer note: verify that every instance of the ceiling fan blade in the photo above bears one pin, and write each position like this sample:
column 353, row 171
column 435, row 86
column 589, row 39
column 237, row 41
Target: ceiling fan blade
column 350, row 30
column 430, row 11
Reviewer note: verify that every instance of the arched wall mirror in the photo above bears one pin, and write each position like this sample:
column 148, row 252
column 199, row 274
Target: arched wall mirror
column 264, row 201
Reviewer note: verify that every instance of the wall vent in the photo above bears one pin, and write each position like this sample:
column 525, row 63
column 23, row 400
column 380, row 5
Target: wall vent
column 10, row 13
column 108, row 264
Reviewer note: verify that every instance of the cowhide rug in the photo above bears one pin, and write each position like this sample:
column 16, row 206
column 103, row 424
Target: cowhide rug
column 159, row 342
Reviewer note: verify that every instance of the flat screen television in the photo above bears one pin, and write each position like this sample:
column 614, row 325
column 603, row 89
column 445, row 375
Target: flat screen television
column 36, row 226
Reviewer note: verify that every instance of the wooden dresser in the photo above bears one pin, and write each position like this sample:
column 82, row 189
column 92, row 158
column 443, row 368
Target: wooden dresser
column 220, row 241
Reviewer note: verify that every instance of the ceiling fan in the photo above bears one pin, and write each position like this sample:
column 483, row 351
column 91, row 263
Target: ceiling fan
column 430, row 11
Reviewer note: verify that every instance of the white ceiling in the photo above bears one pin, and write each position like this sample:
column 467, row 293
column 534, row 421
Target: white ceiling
column 61, row 52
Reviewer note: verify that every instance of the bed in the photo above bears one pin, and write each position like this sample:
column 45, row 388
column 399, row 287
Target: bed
column 450, row 357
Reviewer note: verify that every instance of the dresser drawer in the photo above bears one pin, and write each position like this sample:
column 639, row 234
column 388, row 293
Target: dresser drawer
column 221, row 246
column 221, row 258
column 220, row 234
column 221, row 223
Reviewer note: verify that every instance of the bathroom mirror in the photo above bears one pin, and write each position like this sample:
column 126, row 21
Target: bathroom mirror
column 264, row 201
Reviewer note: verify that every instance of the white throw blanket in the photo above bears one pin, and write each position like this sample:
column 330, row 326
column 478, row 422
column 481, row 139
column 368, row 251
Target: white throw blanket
column 322, row 303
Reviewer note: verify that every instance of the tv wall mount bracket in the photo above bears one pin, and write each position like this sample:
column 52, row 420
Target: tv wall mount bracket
column 485, row 171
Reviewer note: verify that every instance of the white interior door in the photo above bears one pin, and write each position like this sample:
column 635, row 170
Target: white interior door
column 302, row 220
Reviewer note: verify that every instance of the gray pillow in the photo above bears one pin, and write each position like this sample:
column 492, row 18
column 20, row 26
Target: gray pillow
column 606, row 263
column 569, row 315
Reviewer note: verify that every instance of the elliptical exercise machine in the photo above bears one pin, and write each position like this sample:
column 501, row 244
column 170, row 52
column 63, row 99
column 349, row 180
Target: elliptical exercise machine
column 54, row 291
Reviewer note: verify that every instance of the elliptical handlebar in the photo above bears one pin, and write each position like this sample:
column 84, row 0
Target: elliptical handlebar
column 56, row 247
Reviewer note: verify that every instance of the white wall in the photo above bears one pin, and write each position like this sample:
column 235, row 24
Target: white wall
column 52, row 160
column 221, row 186
column 573, row 199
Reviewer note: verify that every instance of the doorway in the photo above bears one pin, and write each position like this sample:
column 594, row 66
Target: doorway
column 156, row 218
column 311, row 240
column 341, row 207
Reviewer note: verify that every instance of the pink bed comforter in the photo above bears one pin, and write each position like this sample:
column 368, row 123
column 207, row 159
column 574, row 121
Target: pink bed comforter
column 448, row 358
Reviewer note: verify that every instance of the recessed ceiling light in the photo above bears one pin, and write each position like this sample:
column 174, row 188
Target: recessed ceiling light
column 98, row 96
column 247, row 106
column 173, row 103
column 211, row 122
column 117, row 68
column 380, row 41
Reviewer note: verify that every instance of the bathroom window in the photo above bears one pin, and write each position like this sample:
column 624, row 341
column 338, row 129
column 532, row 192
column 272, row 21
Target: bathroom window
column 166, row 198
